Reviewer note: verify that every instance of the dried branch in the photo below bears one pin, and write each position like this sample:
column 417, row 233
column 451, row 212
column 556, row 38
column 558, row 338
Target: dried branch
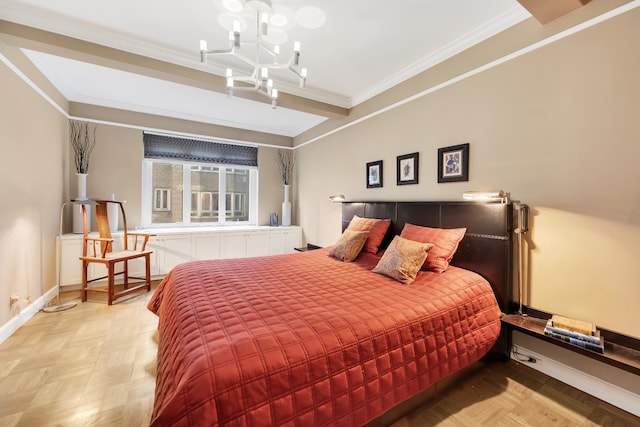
column 82, row 143
column 286, row 160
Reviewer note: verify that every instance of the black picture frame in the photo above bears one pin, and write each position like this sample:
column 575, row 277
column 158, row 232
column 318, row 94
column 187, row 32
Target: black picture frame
column 407, row 167
column 453, row 163
column 374, row 174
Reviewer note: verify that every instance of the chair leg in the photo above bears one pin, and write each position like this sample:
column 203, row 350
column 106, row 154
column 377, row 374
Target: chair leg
column 83, row 292
column 147, row 263
column 126, row 274
column 111, row 284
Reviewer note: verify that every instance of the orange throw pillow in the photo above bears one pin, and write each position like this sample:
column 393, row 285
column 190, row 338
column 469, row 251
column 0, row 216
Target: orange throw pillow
column 377, row 229
column 445, row 241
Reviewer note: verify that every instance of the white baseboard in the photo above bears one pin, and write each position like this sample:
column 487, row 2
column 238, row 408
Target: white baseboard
column 603, row 390
column 25, row 314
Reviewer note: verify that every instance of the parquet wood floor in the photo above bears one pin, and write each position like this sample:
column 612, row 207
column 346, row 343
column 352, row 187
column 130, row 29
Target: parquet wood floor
column 94, row 365
column 512, row 394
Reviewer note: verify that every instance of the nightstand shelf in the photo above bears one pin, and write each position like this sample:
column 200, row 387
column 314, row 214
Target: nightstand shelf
column 622, row 356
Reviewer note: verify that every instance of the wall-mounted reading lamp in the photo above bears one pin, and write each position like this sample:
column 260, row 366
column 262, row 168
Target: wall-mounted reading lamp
column 487, row 196
column 338, row 198
column 522, row 226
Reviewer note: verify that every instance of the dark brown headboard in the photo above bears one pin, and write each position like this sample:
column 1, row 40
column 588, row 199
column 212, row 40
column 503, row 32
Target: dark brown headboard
column 486, row 247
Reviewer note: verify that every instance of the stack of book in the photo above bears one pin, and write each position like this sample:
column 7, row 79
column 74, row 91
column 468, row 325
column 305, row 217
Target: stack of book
column 575, row 332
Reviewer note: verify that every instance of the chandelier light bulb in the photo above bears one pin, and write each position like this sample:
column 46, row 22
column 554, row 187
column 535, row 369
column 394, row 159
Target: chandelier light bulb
column 296, row 53
column 229, row 82
column 264, row 23
column 203, row 51
column 303, row 77
column 236, row 33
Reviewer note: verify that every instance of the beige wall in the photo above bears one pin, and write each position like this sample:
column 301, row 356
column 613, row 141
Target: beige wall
column 271, row 190
column 115, row 167
column 557, row 127
column 32, row 168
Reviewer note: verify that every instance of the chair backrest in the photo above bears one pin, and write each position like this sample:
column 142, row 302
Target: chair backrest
column 102, row 222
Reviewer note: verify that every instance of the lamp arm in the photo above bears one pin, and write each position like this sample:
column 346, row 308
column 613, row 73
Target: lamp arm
column 522, row 227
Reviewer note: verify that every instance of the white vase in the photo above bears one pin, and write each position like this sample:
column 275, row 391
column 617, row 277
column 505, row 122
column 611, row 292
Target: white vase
column 78, row 224
column 112, row 214
column 286, row 207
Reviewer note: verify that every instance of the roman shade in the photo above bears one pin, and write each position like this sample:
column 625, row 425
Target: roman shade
column 195, row 150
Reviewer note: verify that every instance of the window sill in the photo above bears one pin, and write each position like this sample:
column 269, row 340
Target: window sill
column 209, row 228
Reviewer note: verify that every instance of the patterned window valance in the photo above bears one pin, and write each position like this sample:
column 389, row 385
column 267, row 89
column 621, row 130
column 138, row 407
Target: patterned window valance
column 194, row 150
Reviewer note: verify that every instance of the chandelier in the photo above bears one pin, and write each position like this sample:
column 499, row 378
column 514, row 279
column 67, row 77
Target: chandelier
column 265, row 57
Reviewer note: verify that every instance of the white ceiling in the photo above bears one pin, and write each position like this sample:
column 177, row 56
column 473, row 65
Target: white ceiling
column 362, row 48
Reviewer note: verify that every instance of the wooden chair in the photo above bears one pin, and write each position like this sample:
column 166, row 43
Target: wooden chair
column 100, row 250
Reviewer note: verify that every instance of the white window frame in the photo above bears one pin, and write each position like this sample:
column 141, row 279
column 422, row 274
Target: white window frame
column 148, row 194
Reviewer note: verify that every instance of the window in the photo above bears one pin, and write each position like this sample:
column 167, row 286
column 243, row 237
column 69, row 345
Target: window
column 161, row 199
column 183, row 192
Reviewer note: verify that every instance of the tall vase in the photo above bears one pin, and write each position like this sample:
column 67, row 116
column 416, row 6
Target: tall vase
column 78, row 224
column 286, row 207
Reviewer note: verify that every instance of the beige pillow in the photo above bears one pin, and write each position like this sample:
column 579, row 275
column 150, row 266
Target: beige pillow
column 403, row 259
column 349, row 245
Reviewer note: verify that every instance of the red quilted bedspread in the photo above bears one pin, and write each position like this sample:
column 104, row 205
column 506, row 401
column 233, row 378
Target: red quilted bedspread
column 304, row 339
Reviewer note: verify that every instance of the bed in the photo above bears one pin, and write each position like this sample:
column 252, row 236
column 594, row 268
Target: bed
column 306, row 339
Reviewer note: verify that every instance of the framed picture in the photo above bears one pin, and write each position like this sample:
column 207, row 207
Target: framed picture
column 453, row 163
column 374, row 174
column 407, row 169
